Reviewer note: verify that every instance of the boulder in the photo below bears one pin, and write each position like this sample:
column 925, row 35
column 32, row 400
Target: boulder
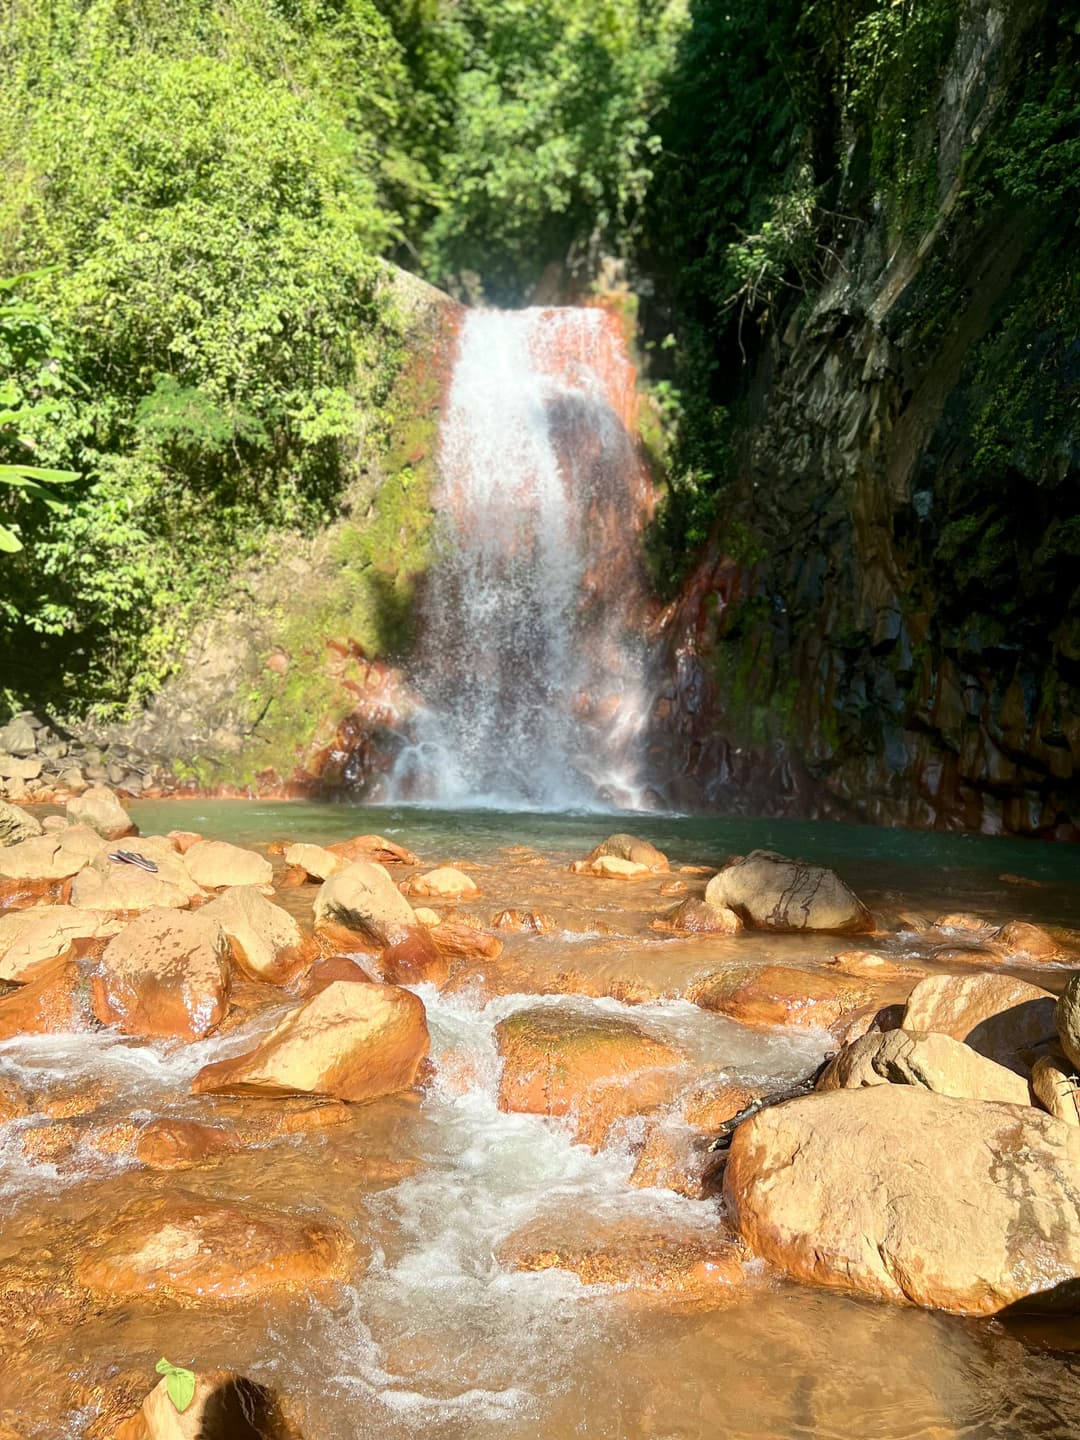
column 1067, row 1019
column 31, row 938
column 698, row 917
column 57, row 999
column 51, row 857
column 768, row 995
column 352, row 1041
column 16, row 825
column 615, row 867
column 936, row 1062
column 182, row 840
column 415, row 960
column 225, row 1406
column 770, row 892
column 1019, row 938
column 1057, row 1088
column 114, row 885
column 445, row 883
column 316, row 862
column 901, row 1194
column 624, row 847
column 1001, row 1017
column 215, row 865
column 15, row 1103
column 266, row 942
column 712, row 1103
column 375, row 849
column 364, row 900
column 459, row 941
column 165, row 975
column 17, row 737
column 645, row 1257
column 99, row 809
column 183, row 1247
column 594, row 1067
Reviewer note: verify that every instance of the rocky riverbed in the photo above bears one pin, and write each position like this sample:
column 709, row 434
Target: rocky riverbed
column 381, row 1143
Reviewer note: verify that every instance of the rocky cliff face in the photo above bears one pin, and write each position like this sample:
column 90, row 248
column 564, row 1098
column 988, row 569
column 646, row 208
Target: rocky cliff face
column 887, row 624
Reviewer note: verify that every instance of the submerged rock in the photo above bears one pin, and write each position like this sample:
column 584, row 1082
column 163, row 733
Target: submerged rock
column 648, row 1259
column 99, row 809
column 679, row 1158
column 770, row 892
column 596, row 1068
column 934, row 1062
column 165, row 975
column 351, row 1041
column 191, row 1248
column 533, row 922
column 1003, row 1018
column 780, row 995
column 56, row 1000
column 902, row 1194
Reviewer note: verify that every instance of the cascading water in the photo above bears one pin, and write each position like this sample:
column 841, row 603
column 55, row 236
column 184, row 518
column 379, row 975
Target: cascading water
column 530, row 667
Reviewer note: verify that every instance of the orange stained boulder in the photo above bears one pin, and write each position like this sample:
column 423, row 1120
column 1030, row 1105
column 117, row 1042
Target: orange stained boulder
column 364, row 901
column 902, row 1194
column 445, row 883
column 166, row 975
column 375, row 848
column 350, row 1041
column 32, row 937
column 1001, row 1017
column 413, row 960
column 1027, row 941
column 650, row 1260
column 185, row 1247
column 182, row 840
column 55, row 1000
column 460, row 941
column 265, row 941
column 215, row 864
column 598, row 1068
column 710, row 1104
column 697, row 917
column 780, row 995
column 527, row 921
column 674, row 1157
column 627, row 848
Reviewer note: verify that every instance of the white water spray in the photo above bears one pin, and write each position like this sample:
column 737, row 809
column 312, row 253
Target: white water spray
column 530, row 666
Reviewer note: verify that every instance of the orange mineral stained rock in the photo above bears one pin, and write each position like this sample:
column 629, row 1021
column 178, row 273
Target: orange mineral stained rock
column 373, row 848
column 189, row 1248
column 363, row 900
column 597, row 1068
column 56, row 1000
column 265, row 941
column 165, row 975
column 1001, row 1017
column 780, row 995
column 350, row 1041
column 898, row 1193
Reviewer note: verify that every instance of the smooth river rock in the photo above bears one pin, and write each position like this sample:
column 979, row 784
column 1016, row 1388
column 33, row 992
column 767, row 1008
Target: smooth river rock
column 902, row 1194
column 266, row 942
column 186, row 1247
column 768, row 995
column 215, row 864
column 166, row 975
column 1057, row 1088
column 1067, row 1019
column 32, row 937
column 626, row 848
column 595, row 1068
column 101, row 811
column 1001, row 1017
column 351, row 1041
column 936, row 1062
column 770, row 892
column 363, row 900
column 445, row 883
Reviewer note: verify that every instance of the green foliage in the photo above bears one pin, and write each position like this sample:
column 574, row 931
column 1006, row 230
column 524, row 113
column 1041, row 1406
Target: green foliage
column 179, row 1383
column 538, row 118
column 201, row 192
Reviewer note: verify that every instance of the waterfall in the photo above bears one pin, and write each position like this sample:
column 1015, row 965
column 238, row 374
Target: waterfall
column 530, row 662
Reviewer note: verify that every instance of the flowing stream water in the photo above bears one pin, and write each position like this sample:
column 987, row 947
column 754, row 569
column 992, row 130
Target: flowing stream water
column 433, row 1336
column 530, row 665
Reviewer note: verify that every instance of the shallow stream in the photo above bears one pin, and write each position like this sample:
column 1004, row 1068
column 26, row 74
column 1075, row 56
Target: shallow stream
column 434, row 1337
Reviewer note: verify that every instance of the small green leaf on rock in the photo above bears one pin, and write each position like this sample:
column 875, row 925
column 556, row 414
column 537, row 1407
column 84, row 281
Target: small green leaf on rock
column 179, row 1383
